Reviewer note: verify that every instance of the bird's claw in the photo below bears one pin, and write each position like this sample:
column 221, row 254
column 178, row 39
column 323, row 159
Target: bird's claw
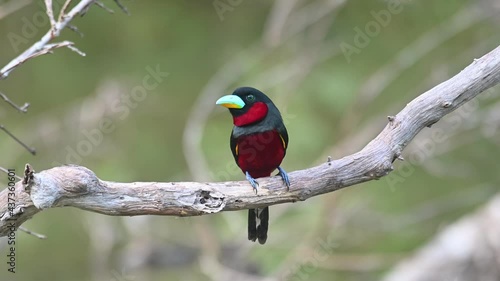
column 252, row 182
column 284, row 177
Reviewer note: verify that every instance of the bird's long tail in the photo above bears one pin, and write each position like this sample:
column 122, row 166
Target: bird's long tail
column 258, row 222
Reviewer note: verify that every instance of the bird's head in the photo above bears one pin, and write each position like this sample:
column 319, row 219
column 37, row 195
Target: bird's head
column 247, row 105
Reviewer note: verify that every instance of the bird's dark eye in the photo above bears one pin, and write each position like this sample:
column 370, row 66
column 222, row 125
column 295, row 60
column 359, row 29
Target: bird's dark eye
column 250, row 98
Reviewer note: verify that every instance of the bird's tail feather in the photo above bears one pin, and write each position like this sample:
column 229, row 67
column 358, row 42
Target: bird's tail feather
column 258, row 223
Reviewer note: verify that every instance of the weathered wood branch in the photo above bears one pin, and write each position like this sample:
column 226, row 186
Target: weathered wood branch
column 79, row 187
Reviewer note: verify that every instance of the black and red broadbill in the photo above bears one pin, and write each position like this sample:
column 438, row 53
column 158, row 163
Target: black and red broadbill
column 258, row 141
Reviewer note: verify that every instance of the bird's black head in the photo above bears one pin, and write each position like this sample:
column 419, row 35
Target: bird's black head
column 247, row 105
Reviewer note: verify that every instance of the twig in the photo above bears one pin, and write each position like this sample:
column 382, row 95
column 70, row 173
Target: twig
column 101, row 5
column 22, row 109
column 122, row 7
column 40, row 47
column 31, row 150
column 74, row 29
column 37, row 235
column 47, row 49
column 79, row 187
column 74, row 49
column 63, row 10
column 7, row 172
column 50, row 14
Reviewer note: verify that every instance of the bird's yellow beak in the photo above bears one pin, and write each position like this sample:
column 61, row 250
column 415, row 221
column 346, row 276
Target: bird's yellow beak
column 231, row 101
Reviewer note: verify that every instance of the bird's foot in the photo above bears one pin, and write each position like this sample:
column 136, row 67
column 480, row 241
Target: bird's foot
column 252, row 181
column 284, row 176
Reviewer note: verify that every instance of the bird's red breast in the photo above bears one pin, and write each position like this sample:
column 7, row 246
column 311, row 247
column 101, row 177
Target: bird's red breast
column 260, row 153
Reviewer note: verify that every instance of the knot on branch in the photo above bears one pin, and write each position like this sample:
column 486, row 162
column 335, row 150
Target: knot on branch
column 209, row 201
column 28, row 177
column 62, row 182
column 205, row 201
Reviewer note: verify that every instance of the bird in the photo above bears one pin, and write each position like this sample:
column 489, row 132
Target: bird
column 258, row 142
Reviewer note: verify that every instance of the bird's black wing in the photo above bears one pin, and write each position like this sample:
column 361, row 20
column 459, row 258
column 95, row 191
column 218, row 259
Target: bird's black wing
column 283, row 133
column 234, row 147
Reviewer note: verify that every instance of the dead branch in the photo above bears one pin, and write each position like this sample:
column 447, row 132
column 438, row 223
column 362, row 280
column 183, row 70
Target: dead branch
column 23, row 108
column 79, row 187
column 41, row 46
column 29, row 149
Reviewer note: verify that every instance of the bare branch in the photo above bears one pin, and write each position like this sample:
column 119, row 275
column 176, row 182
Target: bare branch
column 47, row 49
column 50, row 14
column 72, row 47
column 22, row 109
column 37, row 235
column 79, row 187
column 29, row 149
column 75, row 29
column 7, row 172
column 122, row 7
column 42, row 47
column 104, row 7
column 63, row 10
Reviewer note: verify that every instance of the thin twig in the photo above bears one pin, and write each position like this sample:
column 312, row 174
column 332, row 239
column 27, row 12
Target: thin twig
column 30, row 149
column 122, row 7
column 101, row 5
column 7, row 172
column 62, row 13
column 22, row 109
column 75, row 49
column 75, row 29
column 37, row 235
column 47, row 49
column 50, row 14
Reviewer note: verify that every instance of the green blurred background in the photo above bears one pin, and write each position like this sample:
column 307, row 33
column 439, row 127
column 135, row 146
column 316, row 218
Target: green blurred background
column 332, row 103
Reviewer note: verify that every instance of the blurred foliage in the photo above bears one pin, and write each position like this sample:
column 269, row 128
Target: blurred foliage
column 383, row 220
